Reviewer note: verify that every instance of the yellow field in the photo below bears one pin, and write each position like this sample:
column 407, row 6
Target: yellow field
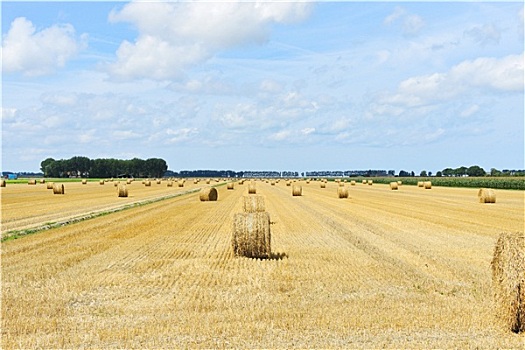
column 381, row 269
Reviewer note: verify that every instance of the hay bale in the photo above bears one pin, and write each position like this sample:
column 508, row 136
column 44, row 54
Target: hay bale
column 147, row 183
column 181, row 183
column 115, row 184
column 399, row 183
column 169, row 184
column 251, row 235
column 2, row 183
column 486, row 195
column 342, row 192
column 508, row 280
column 101, row 182
column 253, row 204
column 84, row 182
column 229, row 186
column 42, row 181
column 208, row 181
column 341, row 184
column 49, row 185
column 427, row 185
column 122, row 190
column 297, row 190
column 195, row 181
column 323, row 185
column 208, row 194
column 393, row 185
column 272, row 183
column 364, row 182
column 31, row 182
column 420, row 184
column 251, row 188
column 352, row 183
column 58, row 189
column 158, row 182
column 129, row 181
column 370, row 182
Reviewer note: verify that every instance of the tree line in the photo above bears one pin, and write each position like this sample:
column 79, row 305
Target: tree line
column 103, row 167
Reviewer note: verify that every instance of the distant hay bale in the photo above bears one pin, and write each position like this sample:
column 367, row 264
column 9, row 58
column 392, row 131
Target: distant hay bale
column 241, row 182
column 208, row 181
column 341, row 184
column 364, row 182
column 352, row 183
column 169, row 184
column 42, row 181
column 181, row 183
column 323, row 185
column 393, row 185
column 288, row 183
column 420, row 184
column 229, row 186
column 342, row 192
column 272, row 183
column 129, row 181
column 427, row 185
column 370, row 182
column 486, row 195
column 195, row 181
column 84, row 182
column 115, row 184
column 147, row 183
column 400, row 183
column 101, row 182
column 251, row 188
column 158, row 182
column 297, row 190
column 508, row 280
column 49, row 185
column 122, row 190
column 58, row 189
column 208, row 194
column 253, row 204
column 251, row 235
column 2, row 183
column 31, row 182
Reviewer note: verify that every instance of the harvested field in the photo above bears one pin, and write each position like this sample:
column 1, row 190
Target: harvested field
column 382, row 269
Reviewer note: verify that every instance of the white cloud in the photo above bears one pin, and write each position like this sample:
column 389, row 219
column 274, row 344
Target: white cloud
column 410, row 24
column 180, row 135
column 38, row 53
column 484, row 35
column 469, row 111
column 9, row 114
column 174, row 36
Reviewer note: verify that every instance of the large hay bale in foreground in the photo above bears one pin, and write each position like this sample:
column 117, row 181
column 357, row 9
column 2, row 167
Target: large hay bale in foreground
column 297, row 190
column 251, row 188
column 253, row 204
column 251, row 235
column 122, row 190
column 486, row 195
column 342, row 192
column 58, row 189
column 229, row 186
column 427, row 185
column 208, row 194
column 393, row 185
column 508, row 280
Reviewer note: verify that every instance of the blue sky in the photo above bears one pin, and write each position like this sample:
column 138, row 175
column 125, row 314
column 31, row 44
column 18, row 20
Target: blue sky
column 265, row 85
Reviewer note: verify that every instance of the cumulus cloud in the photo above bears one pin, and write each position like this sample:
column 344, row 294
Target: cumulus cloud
column 174, row 36
column 24, row 49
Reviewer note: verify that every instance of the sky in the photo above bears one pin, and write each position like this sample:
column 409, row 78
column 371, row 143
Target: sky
column 286, row 86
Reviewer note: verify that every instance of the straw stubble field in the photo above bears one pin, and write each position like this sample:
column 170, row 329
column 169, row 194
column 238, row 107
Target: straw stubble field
column 382, row 268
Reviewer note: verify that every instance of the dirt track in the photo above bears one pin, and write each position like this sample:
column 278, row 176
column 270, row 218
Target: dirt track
column 406, row 268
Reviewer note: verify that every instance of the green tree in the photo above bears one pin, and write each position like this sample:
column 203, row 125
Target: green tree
column 423, row 173
column 475, row 170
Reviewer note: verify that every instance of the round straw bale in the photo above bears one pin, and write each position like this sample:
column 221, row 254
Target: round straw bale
column 297, row 190
column 272, row 183
column 427, row 185
column 2, row 183
column 49, row 185
column 101, row 182
column 352, row 183
column 487, row 195
column 84, row 182
column 370, row 182
column 195, row 181
column 208, row 194
column 323, row 185
column 122, row 190
column 169, row 184
column 253, row 204
column 158, row 182
column 251, row 235
column 341, row 184
column 342, row 192
column 181, row 183
column 208, row 181
column 115, row 184
column 229, row 186
column 393, row 185
column 31, row 182
column 251, row 188
column 42, row 181
column 147, row 183
column 400, row 183
column 508, row 280
column 364, row 182
column 420, row 184
column 58, row 189
column 129, row 181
